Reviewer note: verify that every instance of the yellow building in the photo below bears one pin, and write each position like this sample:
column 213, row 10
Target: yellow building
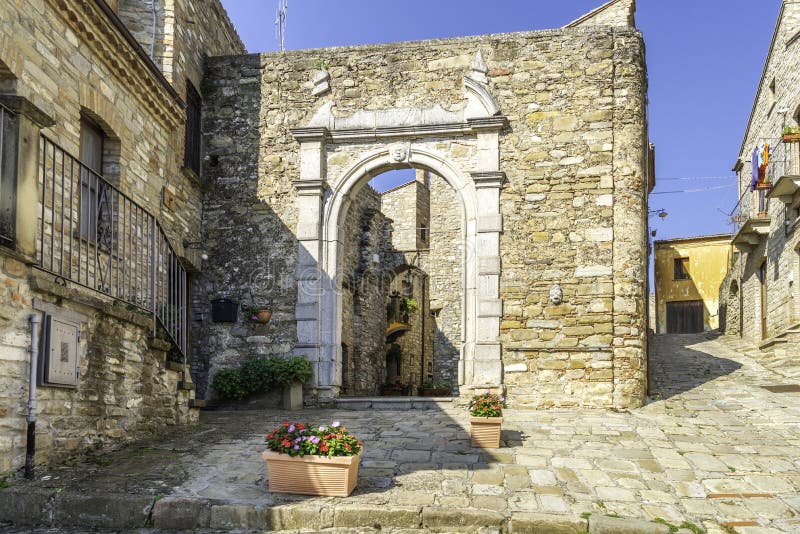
column 688, row 274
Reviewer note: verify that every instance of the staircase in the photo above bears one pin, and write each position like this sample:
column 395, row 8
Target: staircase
column 170, row 386
column 780, row 353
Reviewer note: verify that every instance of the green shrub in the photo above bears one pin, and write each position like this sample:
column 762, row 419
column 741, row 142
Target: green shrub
column 228, row 383
column 287, row 372
column 257, row 374
column 260, row 375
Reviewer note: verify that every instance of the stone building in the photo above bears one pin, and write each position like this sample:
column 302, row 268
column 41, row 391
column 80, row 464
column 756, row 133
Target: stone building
column 536, row 142
column 100, row 180
column 688, row 273
column 760, row 295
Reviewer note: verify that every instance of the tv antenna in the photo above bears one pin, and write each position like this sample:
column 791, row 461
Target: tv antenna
column 280, row 23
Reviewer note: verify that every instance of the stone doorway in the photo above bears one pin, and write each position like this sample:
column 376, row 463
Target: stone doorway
column 338, row 157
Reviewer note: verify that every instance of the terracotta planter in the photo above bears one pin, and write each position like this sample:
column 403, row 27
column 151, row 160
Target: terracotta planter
column 263, row 316
column 312, row 475
column 791, row 138
column 485, row 432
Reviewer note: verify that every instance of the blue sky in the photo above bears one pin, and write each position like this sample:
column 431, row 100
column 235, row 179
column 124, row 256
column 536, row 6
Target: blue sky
column 704, row 58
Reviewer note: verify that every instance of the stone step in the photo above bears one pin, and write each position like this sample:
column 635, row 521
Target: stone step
column 55, row 507
column 175, row 366
column 197, row 403
column 394, row 403
column 186, row 385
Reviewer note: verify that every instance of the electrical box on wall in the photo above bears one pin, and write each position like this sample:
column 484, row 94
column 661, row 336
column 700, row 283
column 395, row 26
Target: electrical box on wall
column 59, row 352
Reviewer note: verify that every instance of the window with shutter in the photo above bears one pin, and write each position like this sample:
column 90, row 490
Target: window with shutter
column 9, row 124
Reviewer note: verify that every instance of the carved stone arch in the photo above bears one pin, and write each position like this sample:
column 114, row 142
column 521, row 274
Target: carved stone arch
column 325, row 191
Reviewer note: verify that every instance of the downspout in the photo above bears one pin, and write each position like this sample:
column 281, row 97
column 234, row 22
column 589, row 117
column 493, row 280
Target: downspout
column 155, row 25
column 30, row 451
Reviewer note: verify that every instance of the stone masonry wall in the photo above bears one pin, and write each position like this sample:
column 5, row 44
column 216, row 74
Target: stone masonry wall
column 67, row 59
column 573, row 205
column 779, row 250
column 364, row 294
column 444, row 266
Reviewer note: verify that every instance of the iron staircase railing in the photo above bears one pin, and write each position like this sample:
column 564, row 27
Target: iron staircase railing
column 94, row 235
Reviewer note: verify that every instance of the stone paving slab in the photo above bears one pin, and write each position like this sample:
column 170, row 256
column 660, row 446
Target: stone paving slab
column 712, row 450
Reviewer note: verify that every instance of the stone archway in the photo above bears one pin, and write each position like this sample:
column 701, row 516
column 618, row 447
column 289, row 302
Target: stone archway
column 338, row 157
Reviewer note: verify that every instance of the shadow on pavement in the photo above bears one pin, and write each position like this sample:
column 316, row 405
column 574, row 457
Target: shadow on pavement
column 678, row 366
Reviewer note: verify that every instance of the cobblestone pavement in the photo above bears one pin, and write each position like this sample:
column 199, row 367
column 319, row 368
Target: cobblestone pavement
column 712, row 448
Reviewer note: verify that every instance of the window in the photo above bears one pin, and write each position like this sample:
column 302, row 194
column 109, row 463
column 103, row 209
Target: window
column 682, row 269
column 9, row 124
column 92, row 187
column 191, row 159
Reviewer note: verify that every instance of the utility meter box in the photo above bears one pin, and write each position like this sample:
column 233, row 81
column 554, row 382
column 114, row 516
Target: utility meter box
column 60, row 343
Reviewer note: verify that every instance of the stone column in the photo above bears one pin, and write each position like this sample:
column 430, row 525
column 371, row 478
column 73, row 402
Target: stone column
column 486, row 368
column 309, row 273
column 31, row 121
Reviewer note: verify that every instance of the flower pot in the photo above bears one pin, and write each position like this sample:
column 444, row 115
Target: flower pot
column 791, row 138
column 485, row 432
column 293, row 397
column 312, row 475
column 263, row 316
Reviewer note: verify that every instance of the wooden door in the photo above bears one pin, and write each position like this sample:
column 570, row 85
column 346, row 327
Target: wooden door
column 762, row 278
column 685, row 317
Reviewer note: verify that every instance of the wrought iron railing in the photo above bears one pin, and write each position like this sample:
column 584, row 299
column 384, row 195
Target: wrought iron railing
column 780, row 160
column 95, row 236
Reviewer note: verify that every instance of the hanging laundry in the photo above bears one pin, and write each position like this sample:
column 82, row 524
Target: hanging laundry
column 755, row 170
column 762, row 168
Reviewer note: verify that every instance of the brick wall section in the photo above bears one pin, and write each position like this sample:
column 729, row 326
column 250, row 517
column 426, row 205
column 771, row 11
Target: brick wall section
column 574, row 204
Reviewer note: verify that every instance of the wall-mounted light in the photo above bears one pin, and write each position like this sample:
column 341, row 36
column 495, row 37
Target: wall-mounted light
column 195, row 245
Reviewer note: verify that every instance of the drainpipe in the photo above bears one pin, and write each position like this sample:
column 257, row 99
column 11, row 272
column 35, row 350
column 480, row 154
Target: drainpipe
column 31, row 442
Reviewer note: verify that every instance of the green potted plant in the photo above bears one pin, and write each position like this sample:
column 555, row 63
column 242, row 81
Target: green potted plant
column 791, row 134
column 259, row 314
column 312, row 460
column 261, row 375
column 486, row 419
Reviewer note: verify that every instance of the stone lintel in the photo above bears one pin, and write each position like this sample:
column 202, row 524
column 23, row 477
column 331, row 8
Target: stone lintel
column 22, row 106
column 58, row 311
column 498, row 122
column 310, row 134
column 489, row 265
column 485, row 179
column 460, row 129
column 490, row 223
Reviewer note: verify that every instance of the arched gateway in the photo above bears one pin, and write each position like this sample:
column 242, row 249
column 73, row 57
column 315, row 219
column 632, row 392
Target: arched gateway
column 339, row 156
column 542, row 137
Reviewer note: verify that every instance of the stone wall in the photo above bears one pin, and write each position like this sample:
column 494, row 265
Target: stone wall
column 444, row 266
column 779, row 88
column 82, row 66
column 364, row 292
column 415, row 342
column 730, row 311
column 573, row 203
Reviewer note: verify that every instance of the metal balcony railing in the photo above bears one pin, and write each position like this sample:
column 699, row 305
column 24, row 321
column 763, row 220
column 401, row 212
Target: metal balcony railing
column 95, row 236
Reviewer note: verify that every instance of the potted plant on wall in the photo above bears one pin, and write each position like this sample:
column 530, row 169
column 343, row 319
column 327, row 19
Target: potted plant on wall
column 259, row 314
column 791, row 134
column 312, row 460
column 486, row 419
